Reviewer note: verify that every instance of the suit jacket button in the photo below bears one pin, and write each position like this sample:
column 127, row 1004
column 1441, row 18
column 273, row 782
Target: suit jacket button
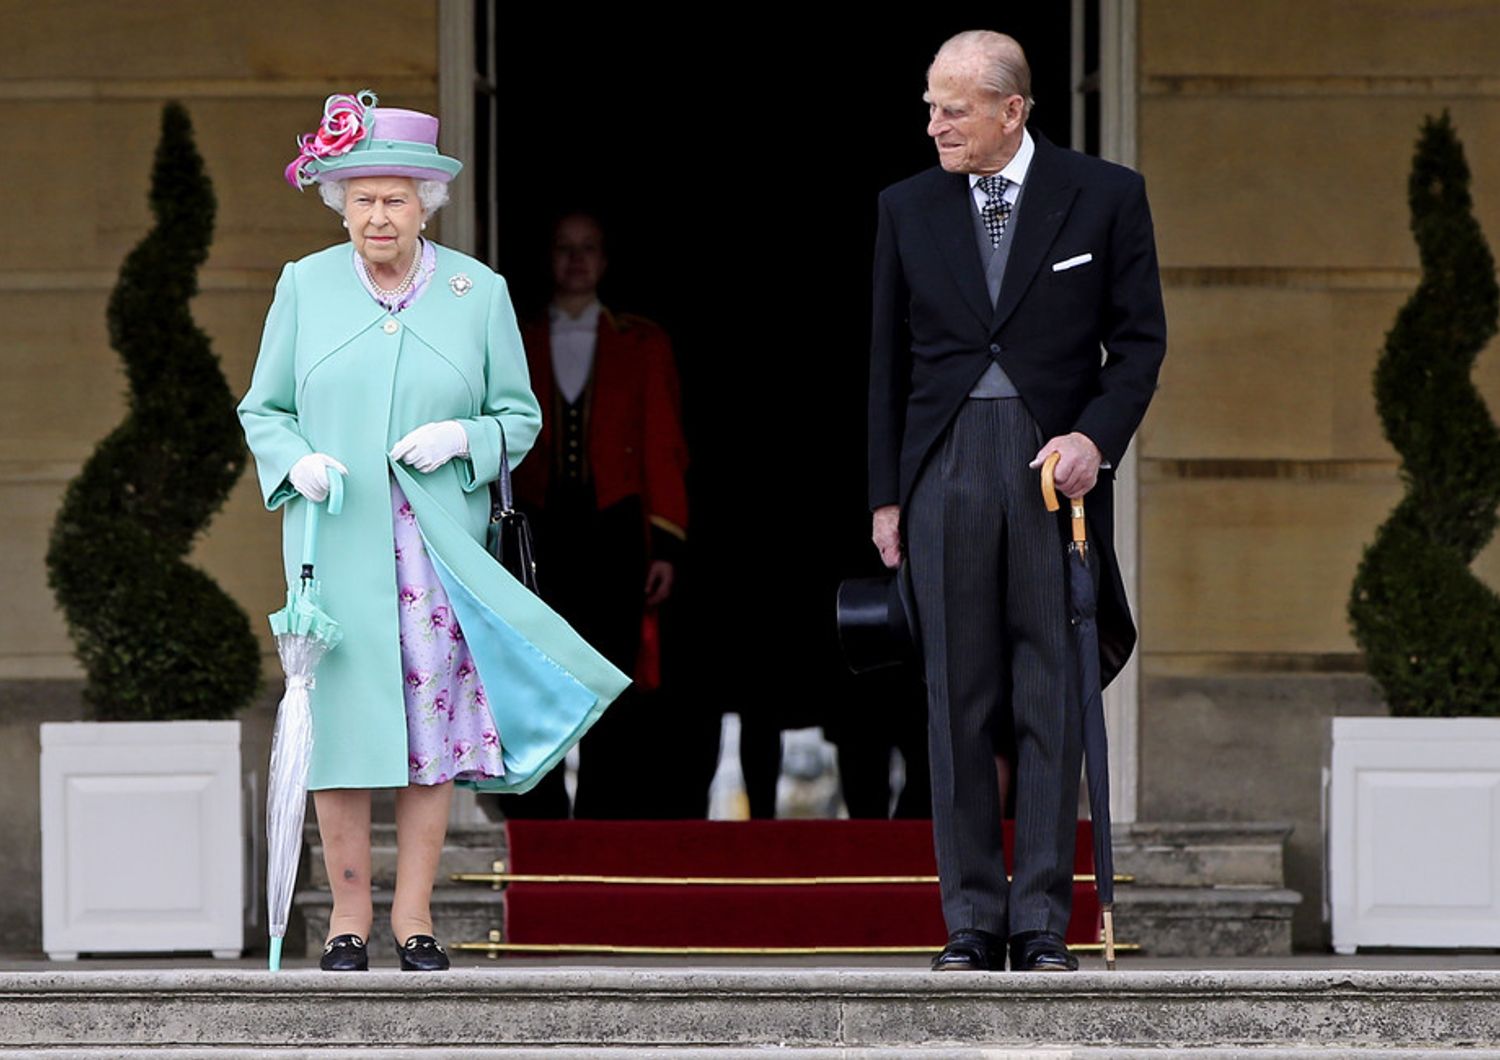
column 994, row 347
column 390, row 327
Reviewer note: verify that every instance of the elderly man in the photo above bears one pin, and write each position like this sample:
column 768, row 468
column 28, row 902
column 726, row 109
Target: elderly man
column 999, row 275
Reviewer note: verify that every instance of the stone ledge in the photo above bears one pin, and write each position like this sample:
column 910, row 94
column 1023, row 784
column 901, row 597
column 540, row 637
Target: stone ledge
column 1226, row 902
column 717, row 1009
column 899, row 1052
column 1202, row 854
column 1193, row 922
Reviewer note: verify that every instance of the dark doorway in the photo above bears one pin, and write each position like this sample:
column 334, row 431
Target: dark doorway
column 736, row 172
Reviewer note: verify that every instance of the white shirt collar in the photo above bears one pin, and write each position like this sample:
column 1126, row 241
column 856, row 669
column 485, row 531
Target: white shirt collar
column 1020, row 164
column 588, row 319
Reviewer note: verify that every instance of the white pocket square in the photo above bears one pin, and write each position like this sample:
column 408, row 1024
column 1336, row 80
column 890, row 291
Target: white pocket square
column 1073, row 262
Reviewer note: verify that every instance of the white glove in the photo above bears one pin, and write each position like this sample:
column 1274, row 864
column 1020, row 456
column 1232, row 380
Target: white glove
column 309, row 476
column 432, row 445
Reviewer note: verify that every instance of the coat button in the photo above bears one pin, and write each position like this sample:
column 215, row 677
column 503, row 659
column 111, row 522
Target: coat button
column 994, row 346
column 390, row 327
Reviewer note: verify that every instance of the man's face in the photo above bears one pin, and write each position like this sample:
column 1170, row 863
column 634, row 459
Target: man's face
column 577, row 256
column 975, row 130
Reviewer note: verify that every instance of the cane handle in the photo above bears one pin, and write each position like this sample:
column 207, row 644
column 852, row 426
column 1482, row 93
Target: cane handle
column 1049, row 487
column 1075, row 504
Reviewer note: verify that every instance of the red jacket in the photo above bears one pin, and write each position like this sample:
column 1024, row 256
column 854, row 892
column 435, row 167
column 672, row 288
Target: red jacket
column 635, row 443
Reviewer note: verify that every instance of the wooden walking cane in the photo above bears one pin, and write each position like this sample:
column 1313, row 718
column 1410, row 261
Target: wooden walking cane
column 1081, row 544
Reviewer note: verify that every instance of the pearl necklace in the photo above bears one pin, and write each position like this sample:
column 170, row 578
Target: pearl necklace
column 394, row 296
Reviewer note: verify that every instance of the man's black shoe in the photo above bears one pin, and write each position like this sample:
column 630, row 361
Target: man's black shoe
column 1040, row 951
column 971, row 950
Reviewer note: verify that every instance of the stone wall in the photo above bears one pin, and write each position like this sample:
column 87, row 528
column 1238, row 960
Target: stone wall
column 1276, row 138
column 82, row 83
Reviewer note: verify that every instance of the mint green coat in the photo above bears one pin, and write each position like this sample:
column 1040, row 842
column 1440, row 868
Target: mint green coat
column 337, row 374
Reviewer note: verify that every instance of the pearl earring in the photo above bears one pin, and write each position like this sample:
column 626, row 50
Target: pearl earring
column 346, row 223
column 424, row 226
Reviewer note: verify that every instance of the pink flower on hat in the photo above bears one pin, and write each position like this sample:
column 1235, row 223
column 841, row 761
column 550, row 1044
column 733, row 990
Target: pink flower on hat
column 345, row 123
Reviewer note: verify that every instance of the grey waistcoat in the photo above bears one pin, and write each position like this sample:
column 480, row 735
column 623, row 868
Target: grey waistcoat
column 994, row 383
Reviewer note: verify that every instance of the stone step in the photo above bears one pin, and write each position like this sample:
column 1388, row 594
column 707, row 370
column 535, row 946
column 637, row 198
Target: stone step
column 719, row 1053
column 467, row 848
column 1206, row 854
column 458, row 915
column 1204, row 921
column 577, row 1012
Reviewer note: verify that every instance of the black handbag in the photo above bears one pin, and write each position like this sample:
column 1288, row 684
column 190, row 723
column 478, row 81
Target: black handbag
column 509, row 537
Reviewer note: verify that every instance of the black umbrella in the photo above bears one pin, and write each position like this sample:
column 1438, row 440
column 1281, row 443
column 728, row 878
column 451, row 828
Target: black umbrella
column 1082, row 608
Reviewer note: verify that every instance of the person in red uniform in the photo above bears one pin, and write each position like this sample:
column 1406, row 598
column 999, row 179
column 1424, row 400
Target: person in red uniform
column 606, row 489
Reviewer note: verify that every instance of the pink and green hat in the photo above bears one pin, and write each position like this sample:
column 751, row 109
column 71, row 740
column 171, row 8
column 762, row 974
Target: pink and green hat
column 359, row 139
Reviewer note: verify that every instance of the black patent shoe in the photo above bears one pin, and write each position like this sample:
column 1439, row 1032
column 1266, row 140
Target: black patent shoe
column 345, row 953
column 422, row 953
column 971, row 950
column 1040, row 951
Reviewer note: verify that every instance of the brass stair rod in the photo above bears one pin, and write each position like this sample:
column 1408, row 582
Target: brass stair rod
column 499, row 877
column 494, row 947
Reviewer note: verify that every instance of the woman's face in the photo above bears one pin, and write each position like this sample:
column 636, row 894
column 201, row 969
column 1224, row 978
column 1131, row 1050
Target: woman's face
column 385, row 218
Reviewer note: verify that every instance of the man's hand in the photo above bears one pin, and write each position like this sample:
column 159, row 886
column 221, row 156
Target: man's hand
column 658, row 582
column 887, row 534
column 1078, row 468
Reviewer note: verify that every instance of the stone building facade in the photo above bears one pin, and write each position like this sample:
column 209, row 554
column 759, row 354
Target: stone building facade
column 1275, row 136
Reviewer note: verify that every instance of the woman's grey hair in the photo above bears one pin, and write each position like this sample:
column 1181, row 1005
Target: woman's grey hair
column 432, row 194
column 1003, row 69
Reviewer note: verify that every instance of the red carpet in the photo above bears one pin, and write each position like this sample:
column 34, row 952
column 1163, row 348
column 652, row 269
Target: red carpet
column 801, row 915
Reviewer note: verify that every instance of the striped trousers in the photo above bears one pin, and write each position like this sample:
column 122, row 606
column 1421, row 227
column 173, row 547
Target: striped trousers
column 988, row 570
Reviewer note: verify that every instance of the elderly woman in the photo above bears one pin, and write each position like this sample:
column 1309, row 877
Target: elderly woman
column 398, row 362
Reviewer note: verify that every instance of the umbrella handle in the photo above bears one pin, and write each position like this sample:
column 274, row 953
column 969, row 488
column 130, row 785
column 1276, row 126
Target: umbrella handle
column 1049, row 487
column 311, row 527
column 1075, row 504
column 335, row 491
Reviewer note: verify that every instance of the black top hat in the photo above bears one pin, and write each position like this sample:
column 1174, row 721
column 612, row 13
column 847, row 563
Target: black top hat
column 877, row 620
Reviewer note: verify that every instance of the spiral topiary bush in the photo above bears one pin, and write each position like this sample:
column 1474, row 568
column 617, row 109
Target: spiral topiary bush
column 157, row 637
column 1429, row 628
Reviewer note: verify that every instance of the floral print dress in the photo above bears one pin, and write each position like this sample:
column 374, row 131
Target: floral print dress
column 450, row 733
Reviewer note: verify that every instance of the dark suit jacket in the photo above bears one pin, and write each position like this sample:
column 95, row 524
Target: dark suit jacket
column 935, row 330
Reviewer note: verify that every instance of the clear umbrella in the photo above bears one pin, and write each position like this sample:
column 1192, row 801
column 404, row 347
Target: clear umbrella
column 304, row 634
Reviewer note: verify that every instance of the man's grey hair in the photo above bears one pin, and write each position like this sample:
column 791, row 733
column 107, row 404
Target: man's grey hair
column 432, row 194
column 1003, row 69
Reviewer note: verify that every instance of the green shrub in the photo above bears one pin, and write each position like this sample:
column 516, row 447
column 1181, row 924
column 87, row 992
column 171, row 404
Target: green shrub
column 158, row 638
column 1429, row 628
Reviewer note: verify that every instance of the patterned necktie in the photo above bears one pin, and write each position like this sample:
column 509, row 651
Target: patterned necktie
column 996, row 212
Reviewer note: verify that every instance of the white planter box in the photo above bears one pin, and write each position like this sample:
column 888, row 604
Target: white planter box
column 1414, row 832
column 142, row 838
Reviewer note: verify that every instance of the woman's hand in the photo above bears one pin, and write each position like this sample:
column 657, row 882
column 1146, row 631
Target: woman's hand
column 432, row 445
column 309, row 476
